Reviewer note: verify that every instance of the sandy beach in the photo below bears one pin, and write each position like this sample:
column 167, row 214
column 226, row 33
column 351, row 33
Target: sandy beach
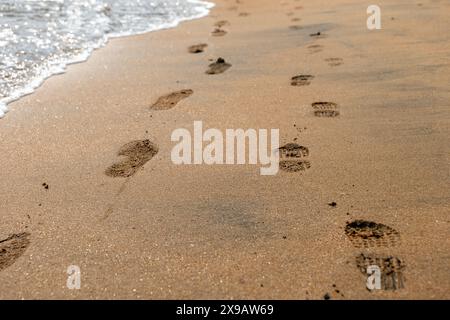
column 87, row 177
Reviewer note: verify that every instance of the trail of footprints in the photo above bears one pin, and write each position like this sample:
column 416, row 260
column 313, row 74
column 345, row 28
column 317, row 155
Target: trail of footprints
column 293, row 158
column 364, row 235
column 137, row 153
column 370, row 236
column 220, row 65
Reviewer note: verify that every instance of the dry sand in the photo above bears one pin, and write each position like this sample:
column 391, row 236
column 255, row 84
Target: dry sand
column 225, row 231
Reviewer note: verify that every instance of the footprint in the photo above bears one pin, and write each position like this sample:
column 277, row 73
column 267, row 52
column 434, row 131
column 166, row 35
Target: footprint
column 302, row 80
column 298, row 8
column 369, row 234
column 12, row 248
column 293, row 150
column 138, row 153
column 315, row 48
column 326, row 113
column 325, row 109
column 391, row 269
column 294, row 166
column 197, row 48
column 321, row 105
column 170, row 100
column 243, row 14
column 221, row 23
column 318, row 35
column 295, row 19
column 217, row 32
column 334, row 62
column 219, row 66
column 290, row 14
column 292, row 158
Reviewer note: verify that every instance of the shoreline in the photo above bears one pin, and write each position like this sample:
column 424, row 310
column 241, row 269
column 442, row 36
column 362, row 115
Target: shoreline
column 377, row 154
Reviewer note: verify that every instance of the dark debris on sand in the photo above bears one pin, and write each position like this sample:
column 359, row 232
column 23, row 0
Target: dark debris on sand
column 219, row 66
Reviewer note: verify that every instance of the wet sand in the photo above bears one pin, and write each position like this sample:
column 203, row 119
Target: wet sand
column 369, row 111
